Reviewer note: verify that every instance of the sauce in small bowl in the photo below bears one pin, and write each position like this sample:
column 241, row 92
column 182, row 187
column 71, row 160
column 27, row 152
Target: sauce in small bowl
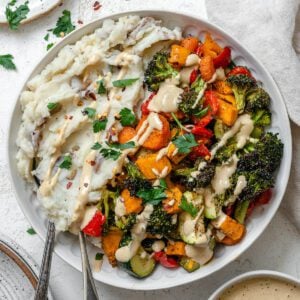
column 259, row 285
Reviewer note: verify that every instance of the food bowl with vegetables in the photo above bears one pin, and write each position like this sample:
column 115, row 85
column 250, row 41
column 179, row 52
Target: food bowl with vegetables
column 162, row 141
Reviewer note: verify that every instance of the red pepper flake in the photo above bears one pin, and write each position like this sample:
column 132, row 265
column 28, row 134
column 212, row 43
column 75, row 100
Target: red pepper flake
column 69, row 184
column 92, row 162
column 85, row 184
column 97, row 5
column 90, row 94
column 70, row 117
column 80, row 22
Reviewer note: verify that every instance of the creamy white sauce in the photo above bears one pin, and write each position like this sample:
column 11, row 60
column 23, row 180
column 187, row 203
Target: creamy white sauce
column 167, row 97
column 138, row 233
column 88, row 215
column 221, row 180
column 219, row 220
column 185, row 74
column 201, row 254
column 158, row 246
column 163, row 152
column 120, row 209
column 200, row 95
column 218, row 75
column 244, row 124
column 240, row 185
column 192, row 59
column 152, row 122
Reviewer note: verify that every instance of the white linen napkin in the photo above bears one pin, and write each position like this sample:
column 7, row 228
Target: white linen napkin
column 266, row 28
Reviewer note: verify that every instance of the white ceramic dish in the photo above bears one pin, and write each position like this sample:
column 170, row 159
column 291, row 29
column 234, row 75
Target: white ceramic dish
column 38, row 8
column 252, row 275
column 67, row 245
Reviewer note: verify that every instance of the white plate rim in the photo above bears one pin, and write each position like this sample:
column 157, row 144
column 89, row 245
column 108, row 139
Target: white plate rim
column 251, row 275
column 284, row 117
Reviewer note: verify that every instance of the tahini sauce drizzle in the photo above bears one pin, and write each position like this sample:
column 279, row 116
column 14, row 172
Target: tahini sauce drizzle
column 138, row 233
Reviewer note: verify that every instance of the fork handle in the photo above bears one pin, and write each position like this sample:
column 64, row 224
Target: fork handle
column 89, row 289
column 41, row 291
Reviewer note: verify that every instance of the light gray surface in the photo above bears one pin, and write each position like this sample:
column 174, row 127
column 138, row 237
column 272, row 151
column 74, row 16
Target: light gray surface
column 277, row 249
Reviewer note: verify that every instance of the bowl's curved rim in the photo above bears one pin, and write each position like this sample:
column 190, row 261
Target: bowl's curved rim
column 251, row 275
column 288, row 143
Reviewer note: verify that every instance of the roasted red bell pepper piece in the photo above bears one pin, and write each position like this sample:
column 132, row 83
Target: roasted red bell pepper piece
column 264, row 198
column 211, row 100
column 202, row 131
column 199, row 49
column 199, row 151
column 229, row 210
column 193, row 76
column 240, row 71
column 94, row 227
column 144, row 106
column 165, row 261
column 223, row 59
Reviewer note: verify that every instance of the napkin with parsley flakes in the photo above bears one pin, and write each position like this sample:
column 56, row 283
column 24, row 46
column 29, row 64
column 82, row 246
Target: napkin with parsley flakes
column 266, row 28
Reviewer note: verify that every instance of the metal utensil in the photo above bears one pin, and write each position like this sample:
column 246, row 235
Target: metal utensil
column 89, row 289
column 43, row 281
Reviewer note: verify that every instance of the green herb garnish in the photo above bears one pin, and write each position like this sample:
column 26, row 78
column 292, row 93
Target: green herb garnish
column 49, row 46
column 185, row 142
column 14, row 17
column 52, row 105
column 155, row 195
column 188, row 207
column 110, row 153
column 124, row 146
column 90, row 112
column 99, row 256
column 46, row 37
column 96, row 146
column 127, row 117
column 64, row 24
column 99, row 125
column 6, row 61
column 66, row 163
column 31, row 231
column 124, row 82
column 101, row 87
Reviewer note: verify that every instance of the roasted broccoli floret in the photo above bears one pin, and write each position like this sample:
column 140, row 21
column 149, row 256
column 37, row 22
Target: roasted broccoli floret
column 160, row 222
column 259, row 165
column 125, row 223
column 198, row 85
column 158, row 70
column 261, row 117
column 257, row 99
column 240, row 85
column 136, row 184
column 133, row 171
column 266, row 155
column 225, row 152
column 191, row 178
column 257, row 182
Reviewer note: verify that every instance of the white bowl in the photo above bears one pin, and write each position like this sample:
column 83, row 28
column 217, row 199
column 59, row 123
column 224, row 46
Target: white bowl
column 252, row 275
column 67, row 246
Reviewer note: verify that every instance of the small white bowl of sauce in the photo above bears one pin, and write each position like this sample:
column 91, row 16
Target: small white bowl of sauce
column 259, row 285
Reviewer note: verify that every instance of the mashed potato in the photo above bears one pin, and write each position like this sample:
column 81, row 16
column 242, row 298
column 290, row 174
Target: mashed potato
column 56, row 126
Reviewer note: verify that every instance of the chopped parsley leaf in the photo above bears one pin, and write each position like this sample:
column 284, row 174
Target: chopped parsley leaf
column 96, row 146
column 99, row 256
column 14, row 17
column 188, row 207
column 153, row 196
column 185, row 142
column 124, row 82
column 110, row 153
column 64, row 24
column 101, row 87
column 46, row 37
column 99, row 125
column 127, row 117
column 52, row 105
column 90, row 112
column 66, row 163
column 6, row 61
column 124, row 146
column 49, row 46
column 31, row 231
